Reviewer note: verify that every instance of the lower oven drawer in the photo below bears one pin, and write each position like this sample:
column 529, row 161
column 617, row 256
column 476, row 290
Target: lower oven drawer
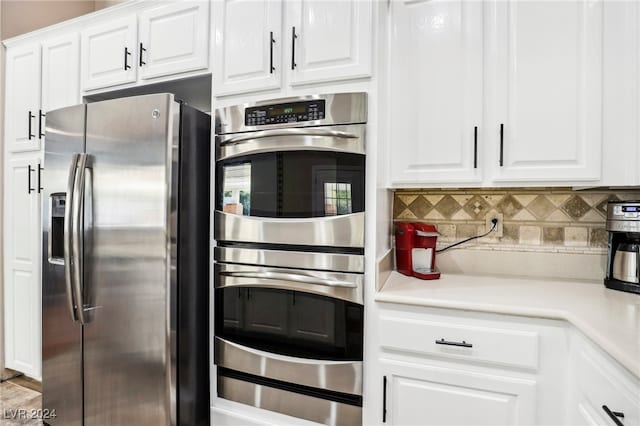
column 295, row 404
column 336, row 376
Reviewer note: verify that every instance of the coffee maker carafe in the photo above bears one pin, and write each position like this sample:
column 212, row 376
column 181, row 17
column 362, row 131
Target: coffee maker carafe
column 623, row 259
column 416, row 250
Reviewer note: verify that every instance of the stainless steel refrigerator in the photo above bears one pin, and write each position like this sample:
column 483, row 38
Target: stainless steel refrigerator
column 125, row 278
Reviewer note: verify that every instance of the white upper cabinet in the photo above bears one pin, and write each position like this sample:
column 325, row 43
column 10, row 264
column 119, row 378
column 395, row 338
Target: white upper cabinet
column 545, row 73
column 110, row 53
column 22, row 101
column 621, row 91
column 22, row 265
column 528, row 75
column 60, row 73
column 436, row 91
column 328, row 40
column 248, row 45
column 174, row 39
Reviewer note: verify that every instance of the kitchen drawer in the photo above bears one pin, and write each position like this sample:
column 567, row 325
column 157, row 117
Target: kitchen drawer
column 483, row 343
column 602, row 383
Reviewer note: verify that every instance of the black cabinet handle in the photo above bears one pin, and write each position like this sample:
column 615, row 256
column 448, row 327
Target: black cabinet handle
column 293, row 48
column 271, row 43
column 142, row 49
column 40, row 115
column 384, row 399
column 449, row 343
column 614, row 415
column 126, row 59
column 31, row 135
column 475, row 147
column 29, row 188
column 501, row 144
column 40, row 169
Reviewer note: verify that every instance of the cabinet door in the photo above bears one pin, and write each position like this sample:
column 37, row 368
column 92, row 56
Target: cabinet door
column 22, row 266
column 22, row 100
column 546, row 90
column 248, row 46
column 620, row 107
column 585, row 414
column 60, row 76
column 109, row 54
column 419, row 394
column 174, row 39
column 436, row 91
column 328, row 40
column 637, row 57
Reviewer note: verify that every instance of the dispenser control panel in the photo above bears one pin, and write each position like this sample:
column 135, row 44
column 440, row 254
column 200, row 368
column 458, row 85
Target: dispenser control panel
column 631, row 211
column 285, row 113
column 623, row 216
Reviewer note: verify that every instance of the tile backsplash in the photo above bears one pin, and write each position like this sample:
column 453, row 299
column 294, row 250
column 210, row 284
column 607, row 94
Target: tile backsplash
column 540, row 219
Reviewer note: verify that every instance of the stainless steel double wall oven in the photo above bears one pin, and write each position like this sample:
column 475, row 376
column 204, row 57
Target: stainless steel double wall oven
column 289, row 261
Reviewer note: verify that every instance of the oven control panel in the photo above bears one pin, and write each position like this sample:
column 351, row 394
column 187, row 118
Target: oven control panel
column 285, row 113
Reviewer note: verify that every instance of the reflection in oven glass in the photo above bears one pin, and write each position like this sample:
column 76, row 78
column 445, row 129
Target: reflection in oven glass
column 337, row 198
column 291, row 323
column 237, row 189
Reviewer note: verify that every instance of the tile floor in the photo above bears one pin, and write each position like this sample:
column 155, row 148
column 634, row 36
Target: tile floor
column 20, row 401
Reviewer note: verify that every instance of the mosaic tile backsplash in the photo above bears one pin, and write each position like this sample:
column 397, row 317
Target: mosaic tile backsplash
column 552, row 219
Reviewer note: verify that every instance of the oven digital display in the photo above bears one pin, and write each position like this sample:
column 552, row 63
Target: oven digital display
column 295, row 109
column 628, row 209
column 285, row 113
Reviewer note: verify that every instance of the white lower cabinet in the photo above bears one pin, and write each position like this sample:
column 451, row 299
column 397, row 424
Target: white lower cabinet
column 22, row 328
column 602, row 392
column 451, row 367
column 421, row 394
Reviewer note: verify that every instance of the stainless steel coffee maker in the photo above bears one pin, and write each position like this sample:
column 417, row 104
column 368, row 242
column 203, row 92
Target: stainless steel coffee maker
column 623, row 260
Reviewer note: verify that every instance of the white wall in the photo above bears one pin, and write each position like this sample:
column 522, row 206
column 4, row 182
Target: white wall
column 23, row 16
column 106, row 3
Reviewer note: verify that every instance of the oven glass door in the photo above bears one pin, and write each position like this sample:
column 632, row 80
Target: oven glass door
column 289, row 322
column 291, row 184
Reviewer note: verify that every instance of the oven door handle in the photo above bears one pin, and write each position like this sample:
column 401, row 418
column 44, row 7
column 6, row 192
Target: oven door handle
column 289, row 132
column 286, row 276
column 337, row 285
column 347, row 138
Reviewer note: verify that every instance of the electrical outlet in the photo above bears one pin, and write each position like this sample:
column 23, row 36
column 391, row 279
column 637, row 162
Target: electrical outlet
column 499, row 229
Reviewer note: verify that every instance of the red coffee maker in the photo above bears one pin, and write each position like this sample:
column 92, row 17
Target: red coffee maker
column 416, row 250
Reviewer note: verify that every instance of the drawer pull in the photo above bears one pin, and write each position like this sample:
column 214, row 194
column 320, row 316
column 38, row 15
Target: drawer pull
column 448, row 343
column 614, row 415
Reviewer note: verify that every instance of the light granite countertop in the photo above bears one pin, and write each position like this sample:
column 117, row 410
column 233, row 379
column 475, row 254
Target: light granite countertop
column 608, row 317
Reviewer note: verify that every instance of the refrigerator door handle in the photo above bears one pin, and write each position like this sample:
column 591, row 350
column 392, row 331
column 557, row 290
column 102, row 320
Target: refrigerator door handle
column 67, row 249
column 77, row 235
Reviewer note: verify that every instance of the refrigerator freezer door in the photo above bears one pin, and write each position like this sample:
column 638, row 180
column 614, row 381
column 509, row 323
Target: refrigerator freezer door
column 128, row 333
column 61, row 335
